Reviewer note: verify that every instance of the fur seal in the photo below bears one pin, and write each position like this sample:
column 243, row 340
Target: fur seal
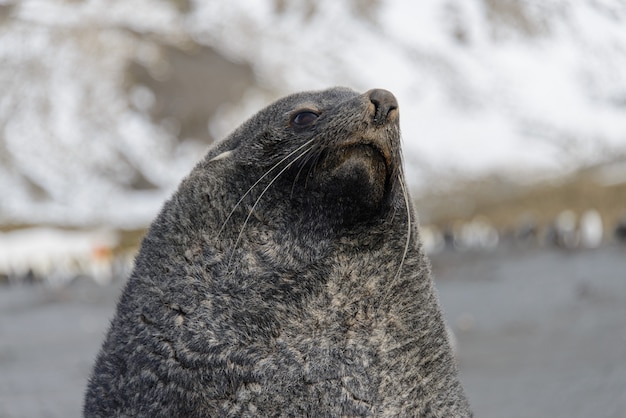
column 285, row 277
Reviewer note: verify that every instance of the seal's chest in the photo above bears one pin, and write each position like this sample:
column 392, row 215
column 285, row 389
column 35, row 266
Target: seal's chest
column 329, row 376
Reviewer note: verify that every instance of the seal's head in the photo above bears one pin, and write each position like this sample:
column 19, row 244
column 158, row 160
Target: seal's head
column 333, row 153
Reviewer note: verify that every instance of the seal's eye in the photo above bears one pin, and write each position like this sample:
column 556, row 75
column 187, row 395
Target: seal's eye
column 304, row 118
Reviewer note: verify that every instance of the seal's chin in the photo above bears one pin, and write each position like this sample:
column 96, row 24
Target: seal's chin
column 362, row 167
column 354, row 180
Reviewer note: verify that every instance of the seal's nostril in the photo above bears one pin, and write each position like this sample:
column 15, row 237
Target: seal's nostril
column 384, row 102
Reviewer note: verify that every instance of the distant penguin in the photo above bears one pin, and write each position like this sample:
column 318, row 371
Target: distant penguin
column 565, row 232
column 591, row 229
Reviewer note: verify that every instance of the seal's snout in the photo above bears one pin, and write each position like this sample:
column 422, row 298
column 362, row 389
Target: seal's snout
column 385, row 104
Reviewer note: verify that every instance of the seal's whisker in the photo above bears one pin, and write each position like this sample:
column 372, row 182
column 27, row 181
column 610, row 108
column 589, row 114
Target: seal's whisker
column 303, row 162
column 258, row 181
column 407, row 243
column 245, row 222
column 315, row 156
column 405, row 194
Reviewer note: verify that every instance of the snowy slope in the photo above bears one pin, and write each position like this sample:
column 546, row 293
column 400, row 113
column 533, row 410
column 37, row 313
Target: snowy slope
column 484, row 85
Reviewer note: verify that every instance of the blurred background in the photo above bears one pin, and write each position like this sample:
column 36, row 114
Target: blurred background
column 513, row 116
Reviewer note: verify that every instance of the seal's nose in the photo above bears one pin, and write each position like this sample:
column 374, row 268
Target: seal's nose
column 384, row 103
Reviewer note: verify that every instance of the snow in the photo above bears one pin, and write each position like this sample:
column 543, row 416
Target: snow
column 477, row 95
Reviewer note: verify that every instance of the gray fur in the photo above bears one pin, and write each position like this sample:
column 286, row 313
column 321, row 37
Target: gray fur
column 282, row 283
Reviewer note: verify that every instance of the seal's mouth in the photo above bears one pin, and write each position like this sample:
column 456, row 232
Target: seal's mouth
column 362, row 150
column 361, row 166
column 369, row 149
column 363, row 159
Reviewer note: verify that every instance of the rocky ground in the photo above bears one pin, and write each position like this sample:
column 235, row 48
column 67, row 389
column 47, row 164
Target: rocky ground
column 540, row 333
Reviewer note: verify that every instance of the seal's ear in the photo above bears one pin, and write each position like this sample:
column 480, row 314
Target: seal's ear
column 224, row 155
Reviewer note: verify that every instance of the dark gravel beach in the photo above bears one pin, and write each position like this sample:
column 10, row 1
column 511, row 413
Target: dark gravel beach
column 541, row 333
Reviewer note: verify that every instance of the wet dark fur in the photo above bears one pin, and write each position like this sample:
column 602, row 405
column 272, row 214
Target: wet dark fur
column 285, row 277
